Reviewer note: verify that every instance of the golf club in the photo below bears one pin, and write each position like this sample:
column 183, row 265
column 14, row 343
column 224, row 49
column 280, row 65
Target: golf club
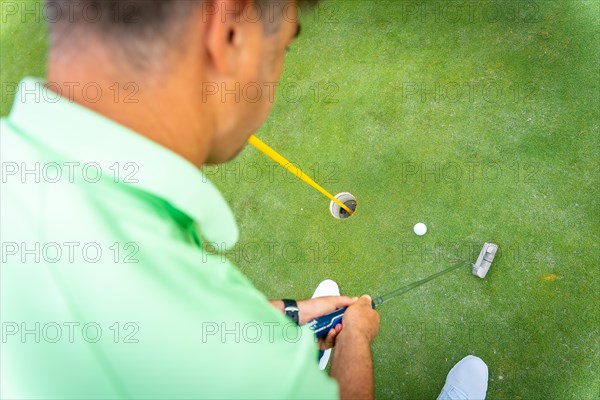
column 323, row 324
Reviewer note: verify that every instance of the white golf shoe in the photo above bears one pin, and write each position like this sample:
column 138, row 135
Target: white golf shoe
column 326, row 288
column 467, row 380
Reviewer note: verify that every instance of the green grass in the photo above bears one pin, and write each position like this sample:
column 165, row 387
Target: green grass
column 538, row 335
column 23, row 46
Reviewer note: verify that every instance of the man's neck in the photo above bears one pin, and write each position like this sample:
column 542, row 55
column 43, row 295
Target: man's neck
column 159, row 107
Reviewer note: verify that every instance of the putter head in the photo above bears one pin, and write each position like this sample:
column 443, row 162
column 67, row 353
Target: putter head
column 485, row 259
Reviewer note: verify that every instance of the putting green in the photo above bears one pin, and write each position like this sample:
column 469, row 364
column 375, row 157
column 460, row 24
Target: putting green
column 480, row 121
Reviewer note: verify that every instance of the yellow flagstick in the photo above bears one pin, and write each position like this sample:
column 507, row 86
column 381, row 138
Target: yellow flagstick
column 262, row 146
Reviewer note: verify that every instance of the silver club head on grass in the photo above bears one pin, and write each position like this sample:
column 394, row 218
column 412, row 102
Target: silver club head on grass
column 485, row 259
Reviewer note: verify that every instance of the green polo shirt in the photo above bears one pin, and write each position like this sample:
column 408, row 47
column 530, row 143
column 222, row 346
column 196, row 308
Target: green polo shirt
column 106, row 288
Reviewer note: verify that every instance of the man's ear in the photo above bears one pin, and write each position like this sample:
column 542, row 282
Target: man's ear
column 225, row 30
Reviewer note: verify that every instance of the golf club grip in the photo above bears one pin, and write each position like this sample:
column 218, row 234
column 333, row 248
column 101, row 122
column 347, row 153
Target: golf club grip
column 325, row 323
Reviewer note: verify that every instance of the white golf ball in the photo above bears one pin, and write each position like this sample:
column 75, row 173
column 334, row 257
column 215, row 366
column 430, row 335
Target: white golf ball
column 420, row 229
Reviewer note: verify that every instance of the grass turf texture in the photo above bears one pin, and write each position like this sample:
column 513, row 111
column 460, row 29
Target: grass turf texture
column 359, row 127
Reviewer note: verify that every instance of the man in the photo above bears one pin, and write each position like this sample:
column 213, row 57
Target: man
column 106, row 289
column 106, row 292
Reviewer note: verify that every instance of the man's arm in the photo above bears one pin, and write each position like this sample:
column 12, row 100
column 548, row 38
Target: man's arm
column 317, row 307
column 352, row 365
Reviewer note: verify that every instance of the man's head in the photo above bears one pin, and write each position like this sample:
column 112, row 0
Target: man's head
column 217, row 59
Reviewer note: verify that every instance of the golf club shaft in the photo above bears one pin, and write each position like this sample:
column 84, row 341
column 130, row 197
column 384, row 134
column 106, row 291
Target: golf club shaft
column 267, row 150
column 379, row 300
column 325, row 323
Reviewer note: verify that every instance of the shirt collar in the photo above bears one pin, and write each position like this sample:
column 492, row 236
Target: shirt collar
column 84, row 136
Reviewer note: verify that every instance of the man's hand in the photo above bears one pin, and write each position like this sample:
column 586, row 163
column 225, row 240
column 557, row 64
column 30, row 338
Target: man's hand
column 361, row 319
column 317, row 307
column 352, row 364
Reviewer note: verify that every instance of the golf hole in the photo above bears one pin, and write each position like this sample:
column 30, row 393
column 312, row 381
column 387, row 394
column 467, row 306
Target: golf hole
column 349, row 200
